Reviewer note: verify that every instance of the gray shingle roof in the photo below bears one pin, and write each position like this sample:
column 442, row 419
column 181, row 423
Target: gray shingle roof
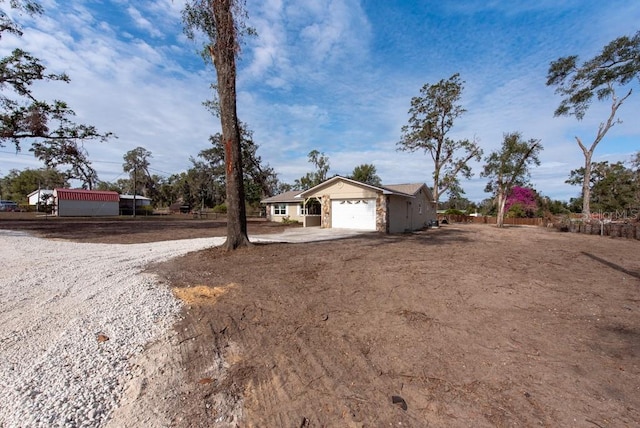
column 409, row 188
column 283, row 198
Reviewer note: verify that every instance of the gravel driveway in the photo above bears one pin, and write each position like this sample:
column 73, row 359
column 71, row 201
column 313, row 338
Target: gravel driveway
column 71, row 316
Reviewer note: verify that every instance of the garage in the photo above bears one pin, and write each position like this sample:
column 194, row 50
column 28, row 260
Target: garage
column 353, row 214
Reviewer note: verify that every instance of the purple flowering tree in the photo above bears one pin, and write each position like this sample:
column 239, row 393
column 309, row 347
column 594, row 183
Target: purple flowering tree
column 523, row 200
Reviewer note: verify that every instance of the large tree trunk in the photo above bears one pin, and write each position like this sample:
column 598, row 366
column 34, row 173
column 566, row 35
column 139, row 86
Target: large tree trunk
column 224, row 55
column 502, row 200
column 436, row 178
column 586, row 181
column 436, row 194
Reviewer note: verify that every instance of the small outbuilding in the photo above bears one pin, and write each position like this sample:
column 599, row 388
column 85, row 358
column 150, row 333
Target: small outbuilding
column 127, row 201
column 80, row 203
column 40, row 197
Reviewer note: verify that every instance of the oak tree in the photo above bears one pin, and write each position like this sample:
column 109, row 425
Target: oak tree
column 17, row 184
column 136, row 163
column 509, row 167
column 47, row 127
column 432, row 116
column 366, row 173
column 260, row 179
column 613, row 187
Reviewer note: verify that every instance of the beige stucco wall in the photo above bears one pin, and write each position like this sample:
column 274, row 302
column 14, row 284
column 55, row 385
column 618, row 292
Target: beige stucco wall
column 407, row 214
column 398, row 216
column 430, row 210
column 344, row 190
column 293, row 213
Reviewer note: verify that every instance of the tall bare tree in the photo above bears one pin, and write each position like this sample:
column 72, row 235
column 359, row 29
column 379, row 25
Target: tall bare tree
column 616, row 67
column 222, row 23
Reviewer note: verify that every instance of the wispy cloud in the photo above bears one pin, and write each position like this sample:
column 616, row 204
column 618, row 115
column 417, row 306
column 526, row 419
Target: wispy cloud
column 143, row 23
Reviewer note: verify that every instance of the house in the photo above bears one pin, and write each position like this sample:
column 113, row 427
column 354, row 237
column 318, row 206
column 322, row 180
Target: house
column 287, row 207
column 39, row 196
column 340, row 202
column 78, row 202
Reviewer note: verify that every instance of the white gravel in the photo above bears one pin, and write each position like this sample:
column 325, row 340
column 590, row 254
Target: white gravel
column 56, row 299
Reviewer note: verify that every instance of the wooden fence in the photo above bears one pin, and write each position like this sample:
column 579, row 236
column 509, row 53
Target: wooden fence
column 572, row 223
column 614, row 230
column 510, row 221
column 451, row 218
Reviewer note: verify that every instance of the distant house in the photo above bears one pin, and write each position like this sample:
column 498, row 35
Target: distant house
column 36, row 197
column 77, row 203
column 344, row 203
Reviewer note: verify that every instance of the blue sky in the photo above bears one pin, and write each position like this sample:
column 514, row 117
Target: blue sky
column 336, row 76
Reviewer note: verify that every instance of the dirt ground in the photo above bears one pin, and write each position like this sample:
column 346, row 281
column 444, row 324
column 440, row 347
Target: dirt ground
column 464, row 325
column 128, row 230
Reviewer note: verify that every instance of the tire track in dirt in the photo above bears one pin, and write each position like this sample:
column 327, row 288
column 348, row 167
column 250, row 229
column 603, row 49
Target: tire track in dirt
column 471, row 327
column 278, row 395
column 299, row 380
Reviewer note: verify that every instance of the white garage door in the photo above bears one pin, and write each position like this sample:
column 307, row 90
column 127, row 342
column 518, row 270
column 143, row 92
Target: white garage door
column 353, row 214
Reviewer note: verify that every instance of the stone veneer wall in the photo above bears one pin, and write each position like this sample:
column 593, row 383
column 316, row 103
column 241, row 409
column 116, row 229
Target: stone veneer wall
column 325, row 203
column 382, row 214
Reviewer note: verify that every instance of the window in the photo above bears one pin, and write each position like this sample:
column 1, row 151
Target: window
column 280, row 209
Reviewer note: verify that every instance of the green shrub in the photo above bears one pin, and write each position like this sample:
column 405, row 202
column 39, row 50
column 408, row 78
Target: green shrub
column 287, row 220
column 453, row 211
column 220, row 209
column 144, row 210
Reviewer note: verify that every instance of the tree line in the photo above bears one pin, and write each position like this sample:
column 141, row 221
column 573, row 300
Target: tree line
column 231, row 172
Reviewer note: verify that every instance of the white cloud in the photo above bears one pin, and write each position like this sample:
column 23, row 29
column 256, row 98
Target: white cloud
column 143, row 23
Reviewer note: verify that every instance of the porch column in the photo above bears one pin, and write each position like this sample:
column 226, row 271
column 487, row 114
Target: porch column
column 382, row 213
column 325, row 219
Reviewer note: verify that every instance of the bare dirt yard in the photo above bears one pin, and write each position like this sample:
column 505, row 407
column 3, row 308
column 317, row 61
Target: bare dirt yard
column 464, row 325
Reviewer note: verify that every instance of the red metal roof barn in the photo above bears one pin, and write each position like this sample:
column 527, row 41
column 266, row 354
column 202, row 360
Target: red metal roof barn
column 78, row 202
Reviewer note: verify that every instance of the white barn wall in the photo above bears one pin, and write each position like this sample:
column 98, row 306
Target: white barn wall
column 35, row 197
